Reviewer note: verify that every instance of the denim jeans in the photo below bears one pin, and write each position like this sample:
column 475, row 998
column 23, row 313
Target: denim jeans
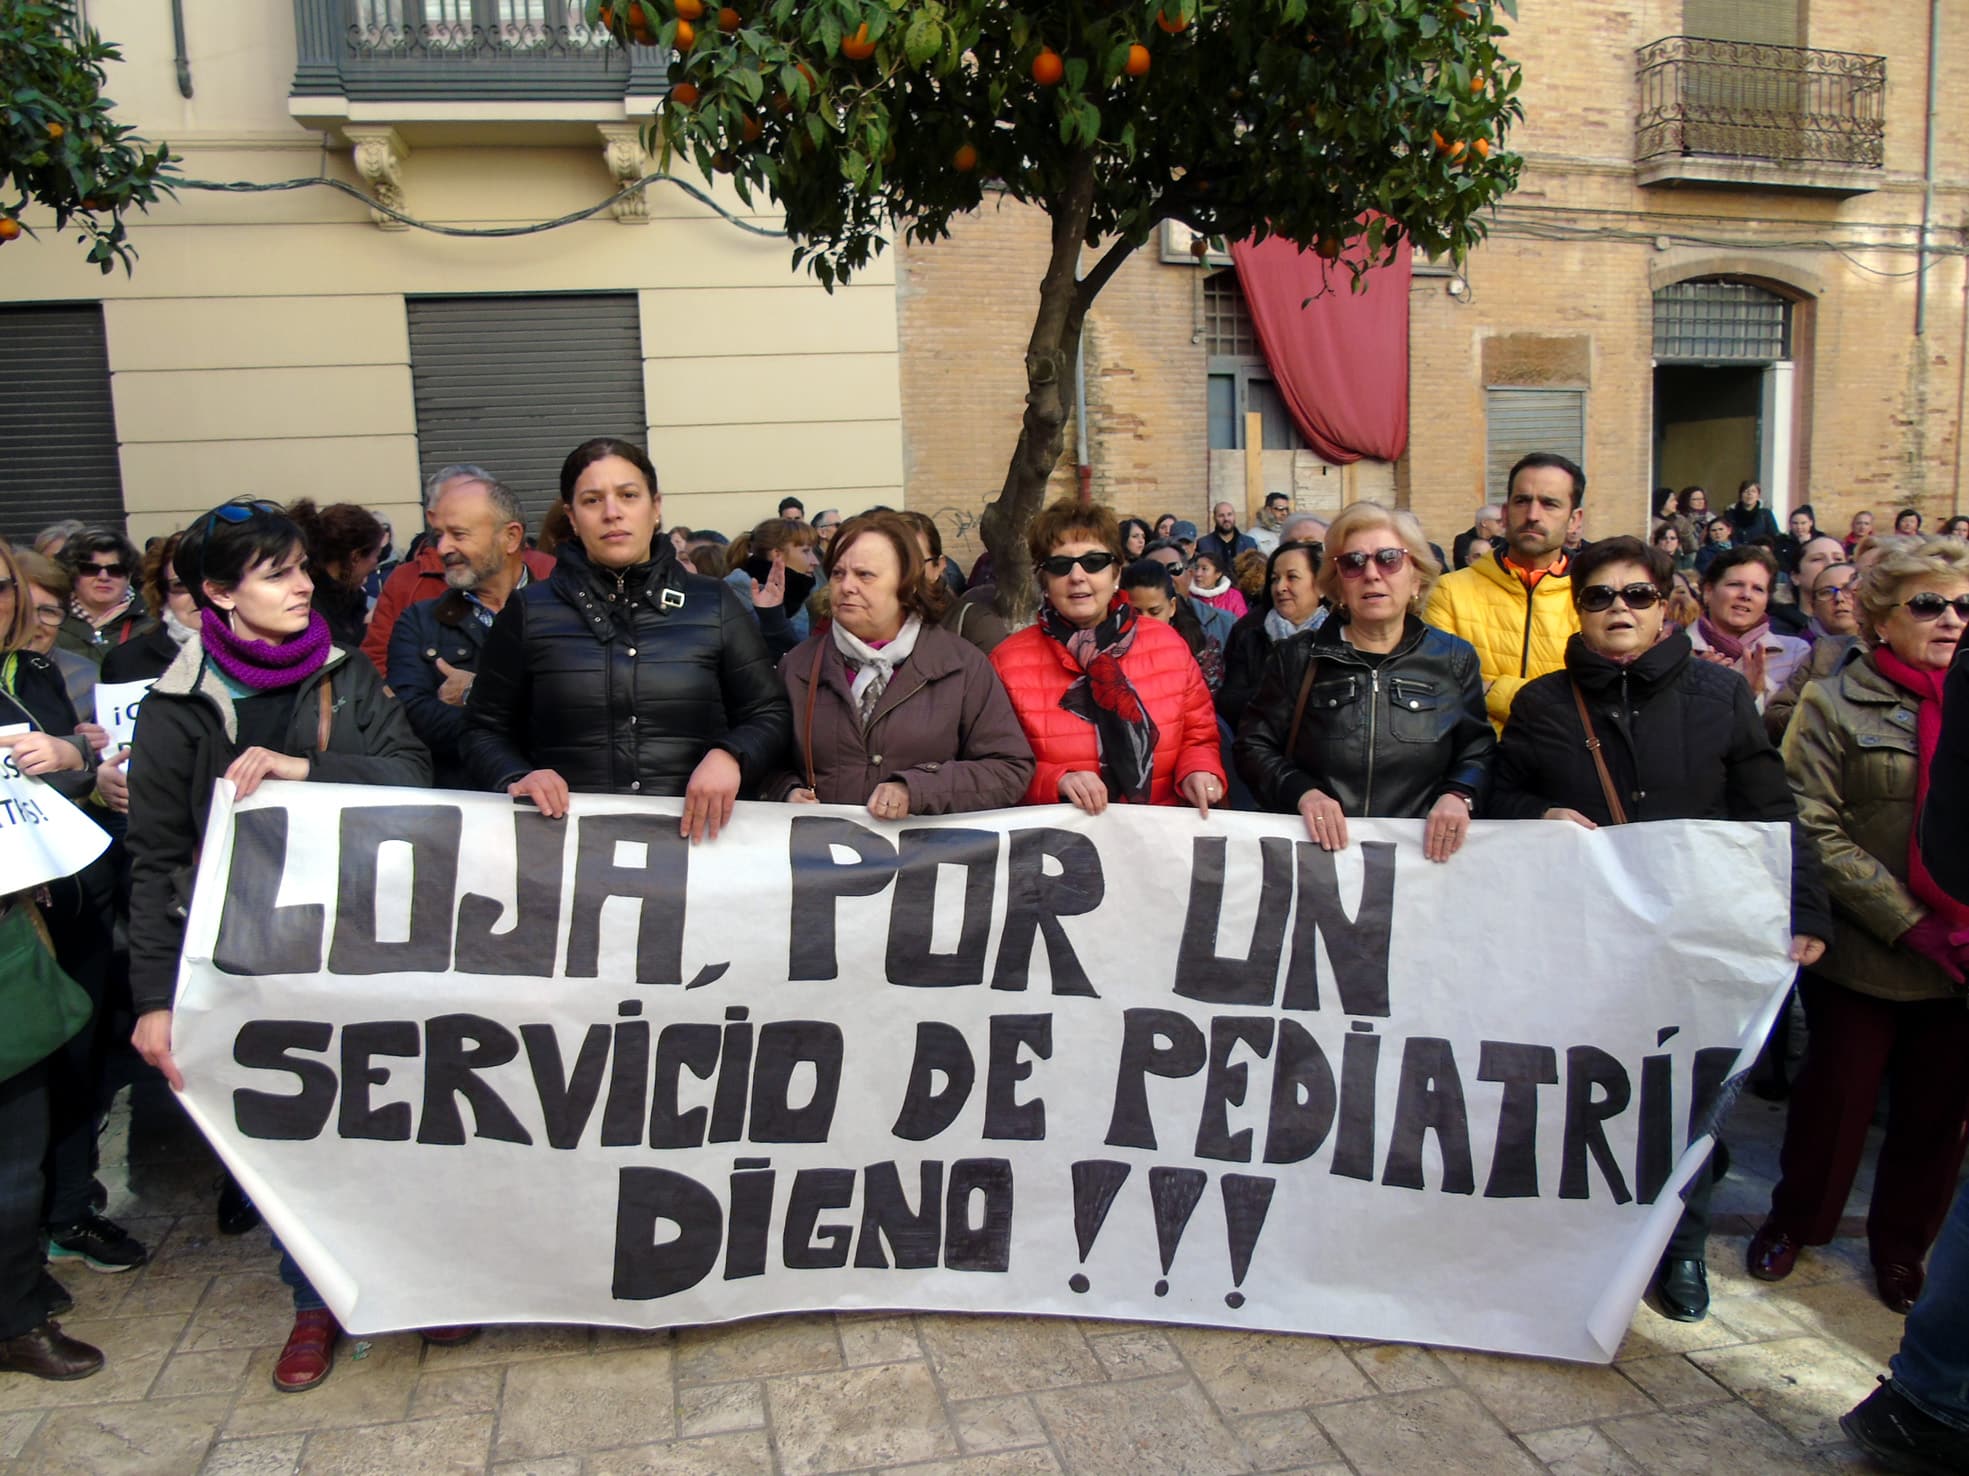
column 23, row 1140
column 306, row 1298
column 1932, row 1368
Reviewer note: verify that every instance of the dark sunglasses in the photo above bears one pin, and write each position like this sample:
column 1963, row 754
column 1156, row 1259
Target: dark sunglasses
column 1597, row 597
column 1354, row 565
column 1929, row 606
column 106, row 571
column 1061, row 565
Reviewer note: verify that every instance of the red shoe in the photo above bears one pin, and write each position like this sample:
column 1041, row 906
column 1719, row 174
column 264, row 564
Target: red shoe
column 449, row 1337
column 1772, row 1252
column 310, row 1351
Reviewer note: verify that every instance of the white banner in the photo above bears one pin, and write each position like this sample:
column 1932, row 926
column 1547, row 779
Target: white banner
column 1141, row 1066
column 42, row 835
column 116, row 710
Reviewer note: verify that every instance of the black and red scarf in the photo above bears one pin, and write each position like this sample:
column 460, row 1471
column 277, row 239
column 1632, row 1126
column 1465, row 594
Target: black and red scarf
column 1102, row 695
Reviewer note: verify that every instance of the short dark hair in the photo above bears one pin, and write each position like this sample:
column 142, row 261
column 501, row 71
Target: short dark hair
column 1148, row 573
column 786, row 502
column 1906, row 512
column 1271, row 497
column 1158, row 545
column 1599, row 555
column 92, row 541
column 600, row 449
column 918, row 595
column 1736, row 558
column 1549, row 459
column 231, row 540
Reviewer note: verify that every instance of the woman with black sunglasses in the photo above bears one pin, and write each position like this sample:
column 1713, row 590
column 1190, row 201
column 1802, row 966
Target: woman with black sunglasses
column 105, row 608
column 1374, row 712
column 1885, row 1002
column 1682, row 740
column 259, row 692
column 1113, row 703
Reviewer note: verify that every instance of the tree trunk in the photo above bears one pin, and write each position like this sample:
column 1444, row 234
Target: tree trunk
column 1050, row 354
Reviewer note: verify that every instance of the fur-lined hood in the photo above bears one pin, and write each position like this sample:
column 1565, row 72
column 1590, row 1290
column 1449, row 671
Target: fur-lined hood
column 190, row 675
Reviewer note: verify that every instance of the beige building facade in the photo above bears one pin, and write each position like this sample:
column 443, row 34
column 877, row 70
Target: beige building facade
column 1712, row 271
column 290, row 343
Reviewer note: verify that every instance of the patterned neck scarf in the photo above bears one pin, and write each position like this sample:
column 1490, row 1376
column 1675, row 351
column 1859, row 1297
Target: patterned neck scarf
column 1103, row 695
column 1746, row 652
column 872, row 666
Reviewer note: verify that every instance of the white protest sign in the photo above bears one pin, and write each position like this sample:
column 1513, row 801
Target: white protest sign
column 1143, row 1065
column 42, row 835
column 116, row 710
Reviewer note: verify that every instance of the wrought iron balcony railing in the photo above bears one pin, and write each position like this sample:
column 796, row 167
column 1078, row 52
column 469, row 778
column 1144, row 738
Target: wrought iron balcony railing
column 1739, row 100
column 464, row 51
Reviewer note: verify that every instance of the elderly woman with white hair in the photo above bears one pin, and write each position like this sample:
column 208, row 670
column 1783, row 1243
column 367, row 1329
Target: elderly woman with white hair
column 1375, row 713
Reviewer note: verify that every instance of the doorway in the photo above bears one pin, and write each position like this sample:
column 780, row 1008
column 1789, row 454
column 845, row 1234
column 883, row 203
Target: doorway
column 1708, row 427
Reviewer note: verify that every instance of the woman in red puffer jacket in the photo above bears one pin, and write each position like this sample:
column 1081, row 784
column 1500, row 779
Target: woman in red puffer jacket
column 1113, row 704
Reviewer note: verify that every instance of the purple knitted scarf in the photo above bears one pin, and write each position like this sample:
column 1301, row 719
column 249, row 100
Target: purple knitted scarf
column 263, row 665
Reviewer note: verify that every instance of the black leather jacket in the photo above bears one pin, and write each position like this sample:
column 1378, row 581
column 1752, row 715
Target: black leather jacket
column 622, row 683
column 1385, row 736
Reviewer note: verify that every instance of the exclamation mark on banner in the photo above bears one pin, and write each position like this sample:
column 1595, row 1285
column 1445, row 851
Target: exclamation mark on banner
column 1096, row 1181
column 1174, row 1193
column 1247, row 1200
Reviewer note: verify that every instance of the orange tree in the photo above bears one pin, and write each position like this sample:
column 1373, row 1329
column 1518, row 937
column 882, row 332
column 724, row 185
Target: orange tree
column 59, row 146
column 1317, row 120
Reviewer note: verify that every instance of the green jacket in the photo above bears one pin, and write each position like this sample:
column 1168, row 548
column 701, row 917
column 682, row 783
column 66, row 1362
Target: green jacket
column 1851, row 755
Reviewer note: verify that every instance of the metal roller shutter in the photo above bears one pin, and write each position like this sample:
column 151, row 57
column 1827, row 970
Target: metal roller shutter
column 1519, row 421
column 57, row 423
column 515, row 383
column 1769, row 22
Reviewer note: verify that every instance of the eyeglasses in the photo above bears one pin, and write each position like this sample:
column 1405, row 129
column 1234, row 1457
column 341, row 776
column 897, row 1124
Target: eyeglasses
column 1838, row 592
column 1929, row 606
column 1354, row 565
column 104, row 571
column 50, row 614
column 1597, row 597
column 1061, row 565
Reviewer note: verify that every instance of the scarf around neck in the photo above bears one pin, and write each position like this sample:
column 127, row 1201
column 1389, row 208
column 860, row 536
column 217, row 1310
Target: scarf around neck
column 180, row 633
column 872, row 666
column 1124, row 733
column 1927, row 685
column 1221, row 587
column 1281, row 629
column 265, row 666
column 1746, row 652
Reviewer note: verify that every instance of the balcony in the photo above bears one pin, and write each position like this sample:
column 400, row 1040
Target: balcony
column 1736, row 114
column 451, row 64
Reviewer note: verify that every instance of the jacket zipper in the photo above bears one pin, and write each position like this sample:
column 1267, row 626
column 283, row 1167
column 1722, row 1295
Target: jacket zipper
column 622, row 595
column 1524, row 658
column 1373, row 711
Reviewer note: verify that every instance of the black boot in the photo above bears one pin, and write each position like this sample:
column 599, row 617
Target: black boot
column 1682, row 1288
column 237, row 1213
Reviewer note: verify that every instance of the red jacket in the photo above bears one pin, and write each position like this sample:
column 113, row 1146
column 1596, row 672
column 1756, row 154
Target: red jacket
column 1037, row 671
column 411, row 583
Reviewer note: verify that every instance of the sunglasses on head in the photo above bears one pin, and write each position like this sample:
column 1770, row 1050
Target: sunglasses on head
column 1061, row 565
column 1597, row 597
column 1929, row 606
column 105, row 571
column 1354, row 565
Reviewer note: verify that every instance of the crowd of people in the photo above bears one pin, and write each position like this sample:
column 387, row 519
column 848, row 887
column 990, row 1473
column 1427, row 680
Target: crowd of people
column 1721, row 669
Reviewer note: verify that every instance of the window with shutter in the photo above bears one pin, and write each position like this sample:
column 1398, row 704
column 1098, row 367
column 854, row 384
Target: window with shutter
column 1520, row 421
column 515, row 383
column 1768, row 22
column 58, row 451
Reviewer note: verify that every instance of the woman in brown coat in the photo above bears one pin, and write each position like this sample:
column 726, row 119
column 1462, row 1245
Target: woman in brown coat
column 1886, row 999
column 890, row 710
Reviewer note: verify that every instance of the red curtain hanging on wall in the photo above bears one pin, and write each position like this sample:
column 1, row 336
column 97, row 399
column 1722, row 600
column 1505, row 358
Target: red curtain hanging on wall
column 1341, row 360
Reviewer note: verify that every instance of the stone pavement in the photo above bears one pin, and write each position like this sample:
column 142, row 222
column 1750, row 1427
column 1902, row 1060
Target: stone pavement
column 191, row 1339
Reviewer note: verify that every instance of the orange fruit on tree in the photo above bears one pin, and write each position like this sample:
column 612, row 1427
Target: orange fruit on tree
column 686, row 36
column 965, row 159
column 684, row 95
column 10, row 228
column 858, row 47
column 55, row 130
column 782, row 102
column 639, row 27
column 724, row 161
column 1456, row 149
column 1329, row 246
column 690, row 10
column 1480, row 148
column 752, row 130
column 1168, row 26
column 807, row 72
column 1047, row 68
column 1137, row 64
column 729, row 20
column 1477, row 84
column 1441, row 143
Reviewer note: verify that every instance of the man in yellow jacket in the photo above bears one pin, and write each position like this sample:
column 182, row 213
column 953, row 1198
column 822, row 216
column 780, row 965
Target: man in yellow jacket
column 1517, row 609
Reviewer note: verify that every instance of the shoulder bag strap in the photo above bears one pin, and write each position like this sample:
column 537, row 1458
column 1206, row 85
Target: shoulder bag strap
column 1599, row 759
column 326, row 723
column 807, row 729
column 1299, row 708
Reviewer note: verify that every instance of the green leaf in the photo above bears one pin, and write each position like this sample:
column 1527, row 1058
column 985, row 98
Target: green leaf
column 923, row 40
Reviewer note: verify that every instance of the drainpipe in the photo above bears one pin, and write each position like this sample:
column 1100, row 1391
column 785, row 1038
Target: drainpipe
column 1928, row 169
column 184, row 62
column 1083, row 468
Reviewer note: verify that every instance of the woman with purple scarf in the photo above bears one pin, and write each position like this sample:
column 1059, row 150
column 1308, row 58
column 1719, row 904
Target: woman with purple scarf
column 260, row 692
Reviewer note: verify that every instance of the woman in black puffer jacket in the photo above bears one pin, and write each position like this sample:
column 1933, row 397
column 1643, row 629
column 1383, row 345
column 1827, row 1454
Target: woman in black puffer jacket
column 622, row 673
column 1682, row 740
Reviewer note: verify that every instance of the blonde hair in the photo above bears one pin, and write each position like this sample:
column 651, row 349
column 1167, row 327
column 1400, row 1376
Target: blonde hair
column 1366, row 517
column 15, row 635
column 1883, row 587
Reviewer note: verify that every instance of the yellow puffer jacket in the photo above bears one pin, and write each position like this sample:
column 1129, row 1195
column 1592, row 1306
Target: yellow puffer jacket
column 1519, row 634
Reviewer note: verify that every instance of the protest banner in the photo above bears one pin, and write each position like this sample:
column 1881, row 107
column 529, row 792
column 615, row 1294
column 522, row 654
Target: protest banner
column 116, row 710
column 479, row 1066
column 42, row 835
